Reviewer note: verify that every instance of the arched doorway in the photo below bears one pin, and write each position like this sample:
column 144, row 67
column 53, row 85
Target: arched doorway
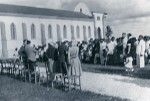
column 99, row 32
column 43, row 38
column 4, row 51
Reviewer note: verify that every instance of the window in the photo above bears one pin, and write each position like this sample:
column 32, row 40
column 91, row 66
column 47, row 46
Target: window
column 13, row 31
column 89, row 31
column 64, row 31
column 33, row 32
column 59, row 38
column 78, row 31
column 43, row 38
column 84, row 33
column 50, row 32
column 98, row 18
column 72, row 32
column 24, row 31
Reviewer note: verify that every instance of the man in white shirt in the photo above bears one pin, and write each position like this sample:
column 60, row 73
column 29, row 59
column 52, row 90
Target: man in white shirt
column 110, row 51
column 114, row 43
column 102, row 49
column 140, row 51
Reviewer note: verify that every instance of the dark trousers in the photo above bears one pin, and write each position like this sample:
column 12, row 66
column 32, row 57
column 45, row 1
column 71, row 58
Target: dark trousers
column 63, row 67
column 31, row 65
column 110, row 60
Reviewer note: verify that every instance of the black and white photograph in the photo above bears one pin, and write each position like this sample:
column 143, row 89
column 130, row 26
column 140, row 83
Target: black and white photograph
column 74, row 50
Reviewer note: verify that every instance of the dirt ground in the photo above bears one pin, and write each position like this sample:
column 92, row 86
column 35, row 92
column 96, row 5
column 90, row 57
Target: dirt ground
column 14, row 90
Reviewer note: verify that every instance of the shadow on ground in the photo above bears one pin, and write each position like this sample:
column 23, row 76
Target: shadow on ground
column 14, row 90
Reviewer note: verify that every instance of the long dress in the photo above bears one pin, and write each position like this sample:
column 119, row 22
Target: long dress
column 74, row 61
column 140, row 50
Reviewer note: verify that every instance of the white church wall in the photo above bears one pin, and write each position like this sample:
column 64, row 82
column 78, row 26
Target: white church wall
column 12, row 44
column 0, row 43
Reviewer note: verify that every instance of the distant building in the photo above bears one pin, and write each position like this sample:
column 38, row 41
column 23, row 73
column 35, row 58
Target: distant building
column 41, row 26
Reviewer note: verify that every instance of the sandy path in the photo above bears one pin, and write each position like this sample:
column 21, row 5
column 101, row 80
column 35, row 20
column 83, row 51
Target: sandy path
column 115, row 85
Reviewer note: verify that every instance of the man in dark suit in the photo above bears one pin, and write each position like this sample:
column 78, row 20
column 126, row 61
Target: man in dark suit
column 22, row 53
column 62, row 49
column 50, row 54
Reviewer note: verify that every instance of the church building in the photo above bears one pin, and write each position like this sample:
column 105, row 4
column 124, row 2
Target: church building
column 42, row 25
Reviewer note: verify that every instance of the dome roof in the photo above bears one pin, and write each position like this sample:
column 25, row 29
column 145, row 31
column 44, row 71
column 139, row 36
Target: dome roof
column 82, row 7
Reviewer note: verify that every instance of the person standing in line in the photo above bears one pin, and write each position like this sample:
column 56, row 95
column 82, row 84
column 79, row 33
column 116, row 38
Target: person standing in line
column 110, row 51
column 124, row 41
column 119, row 53
column 96, row 52
column 31, row 56
column 147, row 44
column 50, row 55
column 140, row 51
column 56, row 68
column 74, row 60
column 22, row 53
column 148, row 55
column 62, row 50
column 102, row 51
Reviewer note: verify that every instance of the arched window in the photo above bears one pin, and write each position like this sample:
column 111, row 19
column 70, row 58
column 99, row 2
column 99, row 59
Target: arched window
column 84, row 33
column 72, row 32
column 50, row 32
column 24, row 31
column 78, row 31
column 43, row 38
column 89, row 31
column 13, row 31
column 59, row 38
column 33, row 31
column 64, row 31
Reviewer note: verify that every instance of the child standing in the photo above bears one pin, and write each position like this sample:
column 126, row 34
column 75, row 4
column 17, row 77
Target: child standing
column 128, row 63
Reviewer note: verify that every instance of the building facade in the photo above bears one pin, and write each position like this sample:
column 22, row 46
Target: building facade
column 41, row 26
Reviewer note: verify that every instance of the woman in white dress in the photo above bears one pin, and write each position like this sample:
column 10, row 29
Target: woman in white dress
column 74, row 60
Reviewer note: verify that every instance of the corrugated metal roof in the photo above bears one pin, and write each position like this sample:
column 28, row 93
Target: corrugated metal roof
column 15, row 9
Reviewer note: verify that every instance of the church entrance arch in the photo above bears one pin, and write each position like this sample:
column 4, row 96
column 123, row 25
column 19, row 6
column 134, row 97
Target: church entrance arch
column 4, row 51
column 99, row 33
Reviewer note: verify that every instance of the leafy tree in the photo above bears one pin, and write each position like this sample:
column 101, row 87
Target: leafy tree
column 108, row 31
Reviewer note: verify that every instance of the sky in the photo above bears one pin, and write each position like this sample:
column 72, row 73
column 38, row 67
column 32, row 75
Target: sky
column 130, row 16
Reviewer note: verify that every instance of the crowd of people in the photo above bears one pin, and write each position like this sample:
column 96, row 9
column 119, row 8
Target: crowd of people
column 57, row 57
column 125, row 51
